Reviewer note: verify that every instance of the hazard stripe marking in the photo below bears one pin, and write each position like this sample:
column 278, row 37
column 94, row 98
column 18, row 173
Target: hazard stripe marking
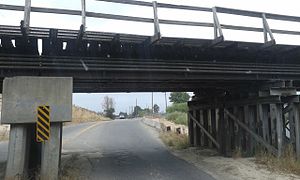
column 43, row 123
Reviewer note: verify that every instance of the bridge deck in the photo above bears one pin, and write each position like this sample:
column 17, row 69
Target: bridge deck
column 102, row 61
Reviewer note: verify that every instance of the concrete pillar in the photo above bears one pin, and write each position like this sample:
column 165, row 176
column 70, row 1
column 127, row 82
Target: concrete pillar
column 16, row 167
column 51, row 154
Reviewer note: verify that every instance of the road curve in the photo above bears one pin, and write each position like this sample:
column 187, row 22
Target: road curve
column 128, row 150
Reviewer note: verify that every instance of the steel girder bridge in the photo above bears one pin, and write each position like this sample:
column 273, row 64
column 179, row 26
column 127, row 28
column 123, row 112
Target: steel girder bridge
column 246, row 93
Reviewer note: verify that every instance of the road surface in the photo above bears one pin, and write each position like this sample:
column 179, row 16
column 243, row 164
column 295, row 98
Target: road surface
column 121, row 149
column 128, row 149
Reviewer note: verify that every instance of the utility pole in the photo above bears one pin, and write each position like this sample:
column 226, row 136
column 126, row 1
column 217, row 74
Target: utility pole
column 152, row 104
column 166, row 101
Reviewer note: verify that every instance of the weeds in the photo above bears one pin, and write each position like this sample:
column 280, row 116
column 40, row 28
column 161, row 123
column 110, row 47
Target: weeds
column 237, row 153
column 4, row 134
column 286, row 163
column 177, row 117
column 174, row 140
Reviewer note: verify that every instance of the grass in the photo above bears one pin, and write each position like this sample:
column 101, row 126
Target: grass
column 287, row 163
column 84, row 115
column 178, row 107
column 4, row 134
column 174, row 140
column 177, row 117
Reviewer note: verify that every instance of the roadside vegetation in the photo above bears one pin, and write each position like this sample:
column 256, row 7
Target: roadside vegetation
column 81, row 115
column 177, row 112
column 174, row 140
column 4, row 132
column 287, row 163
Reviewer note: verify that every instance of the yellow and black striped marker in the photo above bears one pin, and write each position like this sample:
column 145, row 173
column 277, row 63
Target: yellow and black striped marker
column 43, row 123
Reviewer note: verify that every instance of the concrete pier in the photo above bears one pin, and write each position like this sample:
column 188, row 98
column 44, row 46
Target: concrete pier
column 35, row 107
column 51, row 154
column 18, row 148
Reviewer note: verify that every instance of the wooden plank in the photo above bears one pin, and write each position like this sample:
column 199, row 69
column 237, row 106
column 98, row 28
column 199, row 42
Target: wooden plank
column 227, row 135
column 197, row 128
column 279, row 129
column 221, row 130
column 254, row 101
column 253, row 134
column 205, row 131
column 201, row 131
column 247, row 136
column 241, row 133
column 263, row 115
column 213, row 123
column 236, row 128
column 296, row 111
column 252, row 125
column 291, row 115
column 209, row 126
column 205, row 125
column 273, row 113
column 191, row 129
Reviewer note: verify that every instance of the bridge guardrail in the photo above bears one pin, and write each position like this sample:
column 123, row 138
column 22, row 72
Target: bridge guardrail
column 216, row 24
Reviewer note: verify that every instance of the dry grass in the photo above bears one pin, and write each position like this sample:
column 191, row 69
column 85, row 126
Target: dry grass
column 84, row 115
column 237, row 153
column 174, row 140
column 71, row 168
column 4, row 133
column 287, row 163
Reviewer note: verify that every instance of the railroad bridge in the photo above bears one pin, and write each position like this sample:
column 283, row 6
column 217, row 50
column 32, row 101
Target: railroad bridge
column 245, row 92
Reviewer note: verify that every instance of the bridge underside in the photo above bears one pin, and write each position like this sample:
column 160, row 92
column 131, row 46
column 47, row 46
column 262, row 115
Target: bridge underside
column 109, row 62
column 132, row 75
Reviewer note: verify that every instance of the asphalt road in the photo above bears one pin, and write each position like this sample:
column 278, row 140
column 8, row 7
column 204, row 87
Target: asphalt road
column 128, row 149
column 121, row 149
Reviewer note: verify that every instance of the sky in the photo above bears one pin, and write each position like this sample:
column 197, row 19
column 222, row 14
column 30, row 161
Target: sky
column 126, row 100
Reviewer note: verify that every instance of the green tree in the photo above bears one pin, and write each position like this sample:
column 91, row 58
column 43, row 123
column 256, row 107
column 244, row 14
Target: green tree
column 136, row 111
column 179, row 97
column 155, row 108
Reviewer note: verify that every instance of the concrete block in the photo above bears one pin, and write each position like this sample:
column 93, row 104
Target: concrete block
column 22, row 95
column 18, row 148
column 51, row 154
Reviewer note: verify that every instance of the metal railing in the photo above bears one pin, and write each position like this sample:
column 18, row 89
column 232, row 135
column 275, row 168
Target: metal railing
column 216, row 24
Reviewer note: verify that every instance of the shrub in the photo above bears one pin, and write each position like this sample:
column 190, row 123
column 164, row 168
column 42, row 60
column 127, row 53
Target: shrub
column 179, row 107
column 287, row 163
column 177, row 117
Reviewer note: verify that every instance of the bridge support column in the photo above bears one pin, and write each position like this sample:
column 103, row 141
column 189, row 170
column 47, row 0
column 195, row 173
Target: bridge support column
column 35, row 107
column 51, row 154
column 18, row 148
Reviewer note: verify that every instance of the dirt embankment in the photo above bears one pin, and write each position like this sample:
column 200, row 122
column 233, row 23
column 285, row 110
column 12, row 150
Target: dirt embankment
column 80, row 115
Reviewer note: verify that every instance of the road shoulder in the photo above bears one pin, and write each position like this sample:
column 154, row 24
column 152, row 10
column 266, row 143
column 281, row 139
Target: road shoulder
column 222, row 168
